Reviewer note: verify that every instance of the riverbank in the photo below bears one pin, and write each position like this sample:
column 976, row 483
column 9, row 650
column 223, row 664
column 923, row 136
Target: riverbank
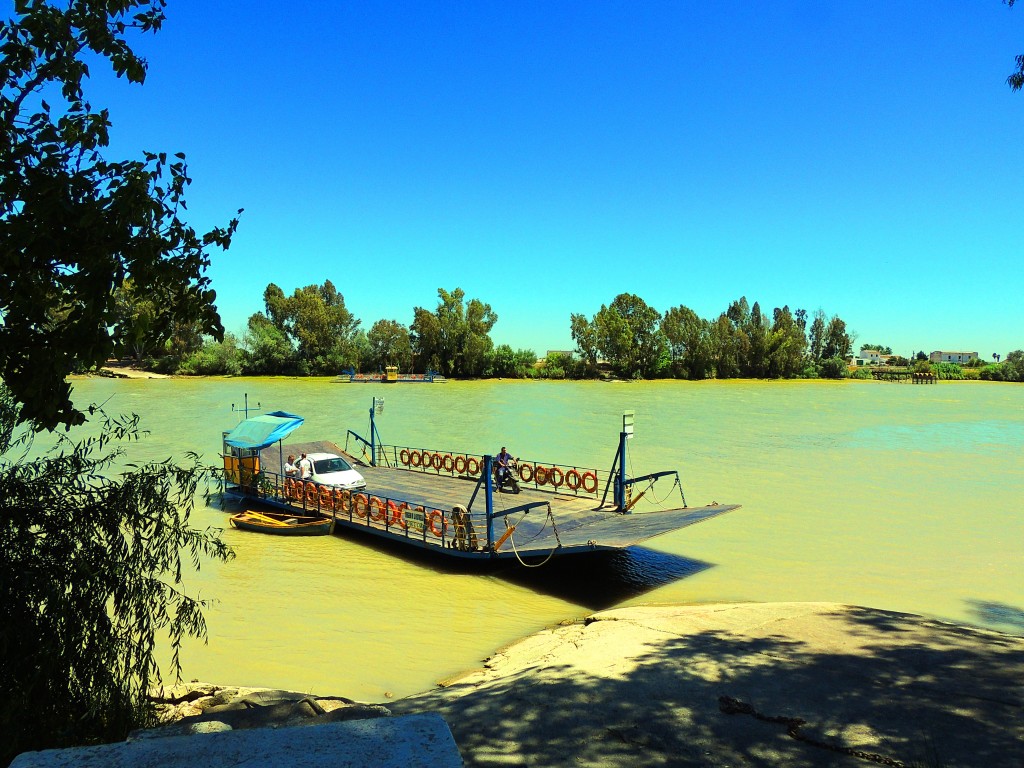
column 733, row 684
column 794, row 684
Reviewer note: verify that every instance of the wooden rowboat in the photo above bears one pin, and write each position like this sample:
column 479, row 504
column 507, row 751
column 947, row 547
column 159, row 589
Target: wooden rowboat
column 282, row 523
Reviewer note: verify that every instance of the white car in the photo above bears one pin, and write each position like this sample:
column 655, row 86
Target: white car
column 331, row 469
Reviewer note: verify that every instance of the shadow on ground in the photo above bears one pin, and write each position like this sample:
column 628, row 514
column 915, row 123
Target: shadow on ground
column 627, row 692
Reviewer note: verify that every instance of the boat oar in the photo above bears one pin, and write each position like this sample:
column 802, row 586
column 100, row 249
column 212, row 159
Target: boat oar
column 264, row 518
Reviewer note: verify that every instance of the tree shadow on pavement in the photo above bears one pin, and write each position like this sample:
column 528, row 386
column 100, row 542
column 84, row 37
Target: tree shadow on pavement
column 910, row 690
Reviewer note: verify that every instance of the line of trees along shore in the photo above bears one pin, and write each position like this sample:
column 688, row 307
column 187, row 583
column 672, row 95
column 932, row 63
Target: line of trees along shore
column 312, row 332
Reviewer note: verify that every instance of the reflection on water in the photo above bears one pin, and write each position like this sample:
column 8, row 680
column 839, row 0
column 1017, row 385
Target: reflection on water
column 1009, row 617
column 898, row 497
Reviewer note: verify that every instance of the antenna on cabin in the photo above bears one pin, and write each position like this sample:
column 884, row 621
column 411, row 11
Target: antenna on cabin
column 245, row 409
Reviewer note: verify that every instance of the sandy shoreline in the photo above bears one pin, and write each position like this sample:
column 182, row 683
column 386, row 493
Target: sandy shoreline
column 644, row 686
column 730, row 685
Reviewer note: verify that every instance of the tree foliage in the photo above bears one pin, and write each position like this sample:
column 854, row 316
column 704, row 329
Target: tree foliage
column 455, row 338
column 91, row 572
column 389, row 344
column 627, row 334
column 314, row 322
column 74, row 225
column 95, row 261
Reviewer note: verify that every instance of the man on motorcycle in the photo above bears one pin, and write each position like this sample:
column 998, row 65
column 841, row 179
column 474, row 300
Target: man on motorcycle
column 503, row 470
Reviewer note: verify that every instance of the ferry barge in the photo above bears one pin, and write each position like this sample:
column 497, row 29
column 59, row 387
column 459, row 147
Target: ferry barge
column 448, row 502
column 390, row 376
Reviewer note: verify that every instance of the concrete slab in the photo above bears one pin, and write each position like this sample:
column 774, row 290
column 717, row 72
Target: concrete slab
column 385, row 742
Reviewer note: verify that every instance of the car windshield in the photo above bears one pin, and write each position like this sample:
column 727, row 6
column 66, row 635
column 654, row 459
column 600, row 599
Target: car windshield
column 327, row 466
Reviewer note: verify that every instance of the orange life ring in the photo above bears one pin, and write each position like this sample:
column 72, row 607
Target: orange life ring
column 360, row 505
column 447, row 462
column 460, row 465
column 436, row 516
column 589, row 482
column 426, row 459
column 404, row 456
column 555, row 476
column 311, row 494
column 342, row 499
column 526, row 472
column 572, row 479
column 395, row 511
column 436, row 461
column 381, row 509
column 326, row 498
column 472, row 466
column 540, row 475
column 415, row 458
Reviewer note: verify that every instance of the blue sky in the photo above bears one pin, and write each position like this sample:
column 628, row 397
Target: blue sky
column 862, row 158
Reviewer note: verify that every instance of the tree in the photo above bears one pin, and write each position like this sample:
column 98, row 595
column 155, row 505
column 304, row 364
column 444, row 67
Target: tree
column 817, row 336
column 1016, row 79
column 629, row 337
column 390, row 345
column 787, row 345
column 267, row 349
column 75, row 225
column 135, row 312
column 687, row 336
column 316, row 321
column 722, row 344
column 1013, row 367
column 91, row 572
column 91, row 567
column 455, row 338
column 837, row 342
column 585, row 336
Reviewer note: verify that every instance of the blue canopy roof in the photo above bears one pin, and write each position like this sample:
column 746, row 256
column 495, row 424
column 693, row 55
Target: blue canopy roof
column 261, row 431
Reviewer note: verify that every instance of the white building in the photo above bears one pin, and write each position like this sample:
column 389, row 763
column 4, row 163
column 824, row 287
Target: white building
column 952, row 357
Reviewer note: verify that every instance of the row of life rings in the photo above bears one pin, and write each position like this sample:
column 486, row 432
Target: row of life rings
column 363, row 506
column 393, row 513
column 442, row 462
column 555, row 477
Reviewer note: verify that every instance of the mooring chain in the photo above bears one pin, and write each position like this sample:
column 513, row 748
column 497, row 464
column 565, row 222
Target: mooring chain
column 554, row 527
column 731, row 706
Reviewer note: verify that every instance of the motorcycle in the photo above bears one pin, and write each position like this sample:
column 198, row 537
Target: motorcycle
column 505, row 477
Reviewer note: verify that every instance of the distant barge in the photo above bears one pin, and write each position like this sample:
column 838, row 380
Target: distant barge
column 390, row 376
column 447, row 501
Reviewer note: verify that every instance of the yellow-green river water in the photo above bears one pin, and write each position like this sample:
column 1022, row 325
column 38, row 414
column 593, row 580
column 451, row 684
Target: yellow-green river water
column 895, row 496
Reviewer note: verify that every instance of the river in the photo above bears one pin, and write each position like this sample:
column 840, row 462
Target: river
column 888, row 495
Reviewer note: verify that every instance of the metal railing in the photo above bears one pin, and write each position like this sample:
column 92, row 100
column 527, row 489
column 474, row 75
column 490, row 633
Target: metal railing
column 558, row 478
column 424, row 524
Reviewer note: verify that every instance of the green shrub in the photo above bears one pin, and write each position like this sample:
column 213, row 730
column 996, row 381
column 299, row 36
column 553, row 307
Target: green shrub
column 947, row 371
column 992, row 372
column 833, row 368
column 90, row 575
